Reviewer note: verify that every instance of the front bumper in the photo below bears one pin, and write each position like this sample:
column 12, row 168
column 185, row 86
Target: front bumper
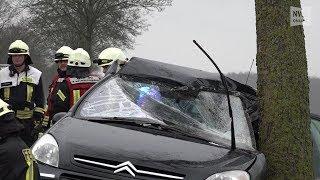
column 256, row 171
column 52, row 173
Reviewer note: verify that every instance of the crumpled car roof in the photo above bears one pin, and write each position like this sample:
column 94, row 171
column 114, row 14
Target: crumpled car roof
column 185, row 76
column 144, row 68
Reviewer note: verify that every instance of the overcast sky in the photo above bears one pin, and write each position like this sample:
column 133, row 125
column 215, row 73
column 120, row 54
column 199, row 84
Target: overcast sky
column 226, row 29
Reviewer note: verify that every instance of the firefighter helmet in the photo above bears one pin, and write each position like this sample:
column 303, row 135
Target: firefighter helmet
column 4, row 108
column 63, row 53
column 109, row 55
column 19, row 47
column 79, row 58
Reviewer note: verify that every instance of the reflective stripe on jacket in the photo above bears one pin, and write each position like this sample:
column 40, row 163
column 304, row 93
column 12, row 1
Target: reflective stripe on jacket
column 23, row 91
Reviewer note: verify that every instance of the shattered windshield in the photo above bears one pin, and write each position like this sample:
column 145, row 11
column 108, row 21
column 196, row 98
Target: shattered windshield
column 203, row 113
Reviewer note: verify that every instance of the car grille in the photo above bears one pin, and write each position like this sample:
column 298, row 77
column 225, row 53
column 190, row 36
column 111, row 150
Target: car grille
column 75, row 177
column 128, row 168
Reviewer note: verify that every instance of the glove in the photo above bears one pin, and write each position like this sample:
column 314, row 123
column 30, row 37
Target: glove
column 45, row 123
column 40, row 135
column 37, row 118
column 38, row 129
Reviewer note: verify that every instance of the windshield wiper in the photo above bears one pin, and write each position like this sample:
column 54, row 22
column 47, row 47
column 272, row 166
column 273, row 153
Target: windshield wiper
column 145, row 122
column 224, row 83
column 150, row 123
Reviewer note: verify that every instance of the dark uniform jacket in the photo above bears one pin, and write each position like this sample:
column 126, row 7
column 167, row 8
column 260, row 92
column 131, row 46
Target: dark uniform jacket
column 16, row 159
column 58, row 100
column 65, row 92
column 9, row 126
column 54, row 104
column 24, row 92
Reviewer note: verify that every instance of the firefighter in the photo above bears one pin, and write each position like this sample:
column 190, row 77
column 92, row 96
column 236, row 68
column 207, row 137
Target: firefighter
column 21, row 87
column 54, row 102
column 108, row 56
column 79, row 79
column 61, row 58
column 16, row 160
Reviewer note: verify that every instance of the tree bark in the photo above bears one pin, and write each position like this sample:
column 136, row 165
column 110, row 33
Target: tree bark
column 283, row 90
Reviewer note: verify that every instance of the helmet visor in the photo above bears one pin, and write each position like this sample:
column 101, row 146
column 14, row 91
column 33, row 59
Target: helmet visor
column 60, row 56
column 17, row 50
column 105, row 62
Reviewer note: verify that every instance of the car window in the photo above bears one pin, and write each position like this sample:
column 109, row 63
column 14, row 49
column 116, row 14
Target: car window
column 204, row 113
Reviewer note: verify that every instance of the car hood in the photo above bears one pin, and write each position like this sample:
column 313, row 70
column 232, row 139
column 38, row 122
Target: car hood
column 82, row 143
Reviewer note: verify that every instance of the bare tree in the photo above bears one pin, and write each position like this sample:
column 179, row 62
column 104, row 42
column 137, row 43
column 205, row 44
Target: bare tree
column 6, row 13
column 10, row 11
column 283, row 90
column 92, row 24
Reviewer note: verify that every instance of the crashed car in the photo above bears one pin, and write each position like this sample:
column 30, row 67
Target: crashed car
column 153, row 120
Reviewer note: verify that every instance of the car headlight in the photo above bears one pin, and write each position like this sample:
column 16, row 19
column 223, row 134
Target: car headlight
column 46, row 150
column 230, row 175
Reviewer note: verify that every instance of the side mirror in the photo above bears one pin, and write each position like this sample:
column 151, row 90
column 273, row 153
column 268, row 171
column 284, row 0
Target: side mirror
column 58, row 116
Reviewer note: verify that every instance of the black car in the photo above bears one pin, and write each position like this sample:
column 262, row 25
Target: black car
column 153, row 120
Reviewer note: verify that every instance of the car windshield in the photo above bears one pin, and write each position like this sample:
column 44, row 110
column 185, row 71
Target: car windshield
column 203, row 113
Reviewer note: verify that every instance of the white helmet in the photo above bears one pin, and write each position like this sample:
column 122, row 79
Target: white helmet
column 109, row 55
column 79, row 58
column 63, row 53
column 19, row 47
column 4, row 108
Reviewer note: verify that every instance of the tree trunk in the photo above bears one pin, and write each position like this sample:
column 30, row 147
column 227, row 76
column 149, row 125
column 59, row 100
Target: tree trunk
column 283, row 90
